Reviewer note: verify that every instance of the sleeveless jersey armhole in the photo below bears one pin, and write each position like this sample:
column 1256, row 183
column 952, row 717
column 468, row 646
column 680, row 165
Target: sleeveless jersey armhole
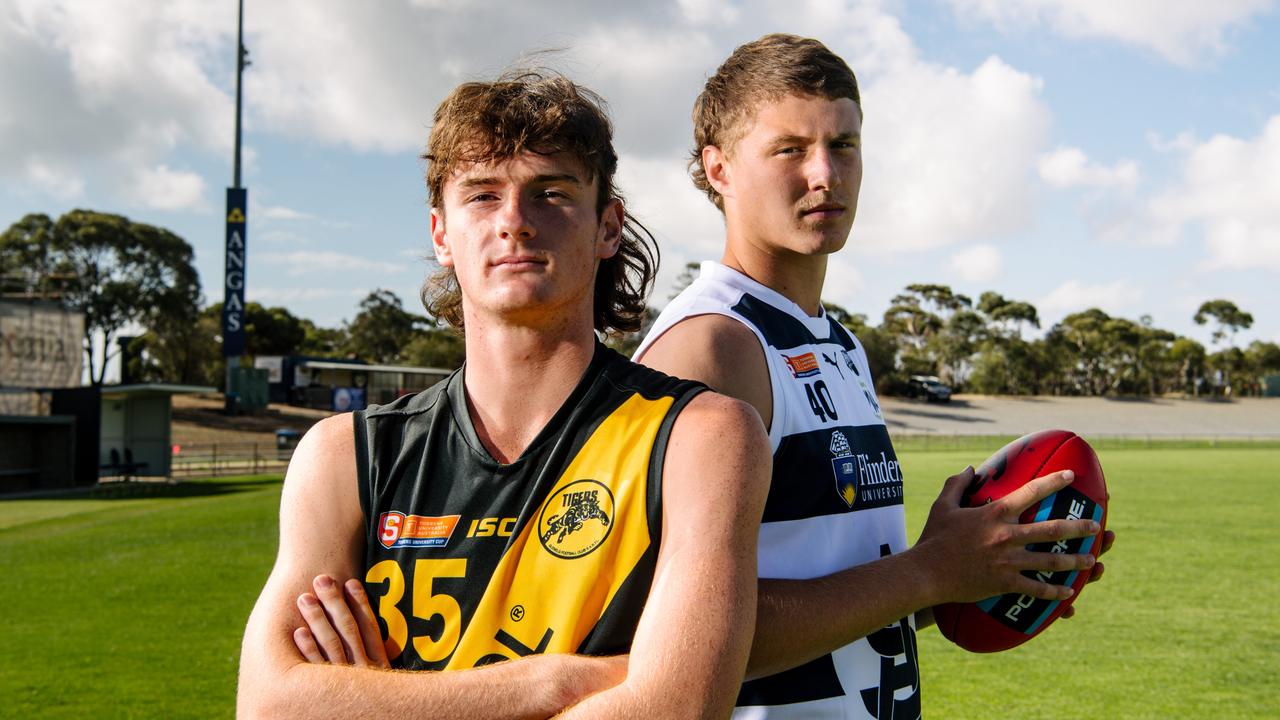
column 360, row 428
column 658, row 459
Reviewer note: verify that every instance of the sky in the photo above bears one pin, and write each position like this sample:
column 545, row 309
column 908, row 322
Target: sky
column 1069, row 153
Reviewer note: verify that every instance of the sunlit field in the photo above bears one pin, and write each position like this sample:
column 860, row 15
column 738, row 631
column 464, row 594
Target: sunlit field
column 1183, row 625
column 131, row 602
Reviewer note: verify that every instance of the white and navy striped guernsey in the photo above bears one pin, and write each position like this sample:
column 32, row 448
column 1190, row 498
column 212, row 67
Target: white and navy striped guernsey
column 835, row 500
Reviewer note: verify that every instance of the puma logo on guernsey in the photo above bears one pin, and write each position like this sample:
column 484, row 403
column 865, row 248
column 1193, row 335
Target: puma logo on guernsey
column 576, row 520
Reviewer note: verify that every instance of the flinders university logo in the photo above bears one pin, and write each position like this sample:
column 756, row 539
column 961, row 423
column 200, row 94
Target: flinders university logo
column 845, row 468
column 576, row 519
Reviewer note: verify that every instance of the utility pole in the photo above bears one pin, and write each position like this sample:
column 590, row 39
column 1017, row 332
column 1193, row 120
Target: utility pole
column 233, row 320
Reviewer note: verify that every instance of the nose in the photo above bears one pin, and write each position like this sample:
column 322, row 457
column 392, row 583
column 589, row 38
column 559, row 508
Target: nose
column 513, row 220
column 821, row 170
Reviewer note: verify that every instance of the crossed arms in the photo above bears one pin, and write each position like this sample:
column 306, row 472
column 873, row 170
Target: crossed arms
column 690, row 646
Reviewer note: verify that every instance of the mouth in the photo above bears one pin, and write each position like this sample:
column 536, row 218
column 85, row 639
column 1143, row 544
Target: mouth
column 519, row 262
column 823, row 211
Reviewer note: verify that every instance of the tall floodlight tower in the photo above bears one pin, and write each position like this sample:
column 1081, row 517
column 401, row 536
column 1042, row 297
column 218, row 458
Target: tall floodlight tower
column 233, row 320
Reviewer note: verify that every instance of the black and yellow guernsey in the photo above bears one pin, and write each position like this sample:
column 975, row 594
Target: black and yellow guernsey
column 471, row 561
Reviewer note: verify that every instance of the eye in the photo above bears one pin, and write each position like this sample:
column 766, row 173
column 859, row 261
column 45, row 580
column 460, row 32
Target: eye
column 788, row 150
column 481, row 197
column 555, row 194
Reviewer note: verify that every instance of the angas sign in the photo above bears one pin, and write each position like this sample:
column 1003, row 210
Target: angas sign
column 233, row 283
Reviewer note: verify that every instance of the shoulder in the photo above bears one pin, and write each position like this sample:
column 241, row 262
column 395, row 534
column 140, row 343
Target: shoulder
column 714, row 425
column 322, row 471
column 720, row 351
column 332, row 436
column 719, row 458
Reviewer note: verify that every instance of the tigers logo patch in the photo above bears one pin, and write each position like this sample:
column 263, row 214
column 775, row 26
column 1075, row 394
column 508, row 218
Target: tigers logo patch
column 577, row 519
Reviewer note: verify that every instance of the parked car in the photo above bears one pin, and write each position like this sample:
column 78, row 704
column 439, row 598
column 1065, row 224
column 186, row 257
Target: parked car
column 930, row 388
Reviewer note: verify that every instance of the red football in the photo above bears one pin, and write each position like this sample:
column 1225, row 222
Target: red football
column 1005, row 621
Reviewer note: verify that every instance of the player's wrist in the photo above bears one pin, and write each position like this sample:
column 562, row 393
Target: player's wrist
column 570, row 679
column 928, row 574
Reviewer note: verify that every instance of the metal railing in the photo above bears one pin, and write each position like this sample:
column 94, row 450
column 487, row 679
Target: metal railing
column 221, row 459
column 943, row 442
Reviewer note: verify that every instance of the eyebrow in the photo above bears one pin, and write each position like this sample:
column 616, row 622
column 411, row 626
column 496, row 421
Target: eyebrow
column 793, row 139
column 539, row 180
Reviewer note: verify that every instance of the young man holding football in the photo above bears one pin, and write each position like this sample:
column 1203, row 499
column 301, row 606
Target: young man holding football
column 778, row 150
column 548, row 506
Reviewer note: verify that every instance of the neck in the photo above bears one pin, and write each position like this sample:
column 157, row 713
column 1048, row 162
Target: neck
column 796, row 277
column 518, row 377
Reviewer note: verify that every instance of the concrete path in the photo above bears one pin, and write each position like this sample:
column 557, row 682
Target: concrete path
column 985, row 415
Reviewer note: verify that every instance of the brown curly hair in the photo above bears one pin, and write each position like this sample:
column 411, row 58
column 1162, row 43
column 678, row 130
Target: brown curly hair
column 760, row 71
column 545, row 113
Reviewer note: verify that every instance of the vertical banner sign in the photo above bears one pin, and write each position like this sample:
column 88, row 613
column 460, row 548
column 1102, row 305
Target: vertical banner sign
column 233, row 298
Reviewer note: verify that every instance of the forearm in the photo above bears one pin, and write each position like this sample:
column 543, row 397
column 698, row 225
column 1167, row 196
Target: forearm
column 533, row 687
column 800, row 620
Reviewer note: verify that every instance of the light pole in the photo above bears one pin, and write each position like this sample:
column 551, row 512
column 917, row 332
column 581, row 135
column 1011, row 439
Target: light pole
column 233, row 320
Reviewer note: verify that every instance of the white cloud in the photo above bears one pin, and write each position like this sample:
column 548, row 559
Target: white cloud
column 701, row 12
column 1181, row 31
column 109, row 88
column 685, row 224
column 279, row 212
column 163, row 189
column 58, row 182
column 948, row 155
column 977, row 263
column 1069, row 168
column 1115, row 298
column 301, row 263
column 1229, row 191
column 283, row 296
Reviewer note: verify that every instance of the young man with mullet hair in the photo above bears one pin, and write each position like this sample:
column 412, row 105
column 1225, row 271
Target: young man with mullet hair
column 546, row 508
column 778, row 149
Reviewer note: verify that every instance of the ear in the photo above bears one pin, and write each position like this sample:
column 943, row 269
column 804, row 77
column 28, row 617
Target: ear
column 715, row 165
column 439, row 242
column 609, row 235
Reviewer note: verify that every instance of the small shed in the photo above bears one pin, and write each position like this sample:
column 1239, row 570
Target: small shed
column 135, row 432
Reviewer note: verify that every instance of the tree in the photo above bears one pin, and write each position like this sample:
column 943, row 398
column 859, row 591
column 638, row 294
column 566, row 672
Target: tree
column 880, row 345
column 1189, row 356
column 917, row 316
column 1008, row 315
column 115, row 271
column 1082, row 338
column 1228, row 319
column 960, row 338
column 436, row 348
column 268, row 330
column 183, row 352
column 382, row 329
column 685, row 278
column 320, row 341
column 1263, row 357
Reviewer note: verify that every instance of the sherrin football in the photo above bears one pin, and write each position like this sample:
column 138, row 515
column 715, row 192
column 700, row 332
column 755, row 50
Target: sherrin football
column 1006, row 621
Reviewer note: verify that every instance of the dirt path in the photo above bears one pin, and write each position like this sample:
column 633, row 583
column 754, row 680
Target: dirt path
column 199, row 420
column 1157, row 417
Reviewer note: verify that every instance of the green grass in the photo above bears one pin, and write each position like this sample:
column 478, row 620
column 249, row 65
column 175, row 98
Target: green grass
column 130, row 602
column 1183, row 625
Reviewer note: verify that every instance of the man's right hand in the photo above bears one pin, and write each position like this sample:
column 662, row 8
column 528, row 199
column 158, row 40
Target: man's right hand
column 975, row 553
column 340, row 626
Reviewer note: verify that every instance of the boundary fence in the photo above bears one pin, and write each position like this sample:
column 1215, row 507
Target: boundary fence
column 934, row 442
column 222, row 459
